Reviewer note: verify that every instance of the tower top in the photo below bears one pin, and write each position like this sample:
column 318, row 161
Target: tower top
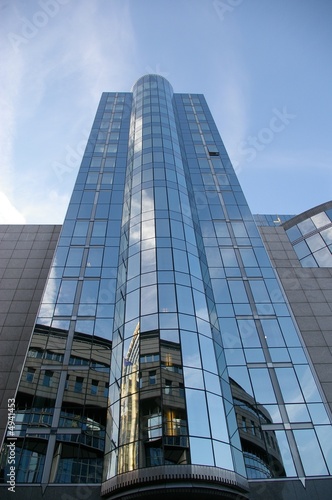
column 152, row 80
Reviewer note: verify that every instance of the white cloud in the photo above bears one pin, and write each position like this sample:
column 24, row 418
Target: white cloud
column 50, row 208
column 8, row 213
column 65, row 66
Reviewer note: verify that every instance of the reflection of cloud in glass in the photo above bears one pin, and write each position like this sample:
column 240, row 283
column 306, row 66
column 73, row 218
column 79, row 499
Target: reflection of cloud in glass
column 135, row 234
column 193, row 378
column 50, row 295
column 148, row 229
column 298, row 413
column 147, row 200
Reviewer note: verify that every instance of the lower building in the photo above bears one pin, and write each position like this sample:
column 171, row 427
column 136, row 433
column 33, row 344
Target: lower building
column 26, row 254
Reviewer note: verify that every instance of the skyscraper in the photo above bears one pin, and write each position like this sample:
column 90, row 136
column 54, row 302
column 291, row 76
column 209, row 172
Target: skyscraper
column 164, row 356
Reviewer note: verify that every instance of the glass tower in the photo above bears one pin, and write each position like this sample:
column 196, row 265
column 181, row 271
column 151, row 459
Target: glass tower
column 164, row 349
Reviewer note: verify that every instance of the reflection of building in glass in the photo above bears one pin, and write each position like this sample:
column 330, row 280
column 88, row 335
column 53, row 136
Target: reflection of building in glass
column 259, row 444
column 81, row 417
column 163, row 415
column 165, row 356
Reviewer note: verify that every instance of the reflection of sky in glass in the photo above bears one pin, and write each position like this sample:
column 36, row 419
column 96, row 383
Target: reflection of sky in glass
column 307, row 383
column 289, row 385
column 261, row 382
column 324, row 433
column 286, row 455
column 223, row 455
column 201, row 451
column 197, row 413
column 310, row 453
column 297, row 413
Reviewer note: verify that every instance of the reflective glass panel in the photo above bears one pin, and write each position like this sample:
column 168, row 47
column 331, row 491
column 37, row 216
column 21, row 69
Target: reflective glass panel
column 289, row 385
column 201, row 451
column 197, row 413
column 262, row 385
column 310, row 452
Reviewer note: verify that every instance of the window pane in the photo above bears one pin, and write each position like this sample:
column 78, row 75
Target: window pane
column 310, row 452
column 197, row 413
column 262, row 385
column 190, row 349
column 289, row 385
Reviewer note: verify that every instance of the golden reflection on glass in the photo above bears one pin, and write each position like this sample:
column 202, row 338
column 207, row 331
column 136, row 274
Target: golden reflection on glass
column 129, row 410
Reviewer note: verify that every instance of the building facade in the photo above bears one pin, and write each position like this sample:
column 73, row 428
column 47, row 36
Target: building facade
column 165, row 356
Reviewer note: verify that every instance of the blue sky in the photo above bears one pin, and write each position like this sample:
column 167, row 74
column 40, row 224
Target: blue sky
column 263, row 65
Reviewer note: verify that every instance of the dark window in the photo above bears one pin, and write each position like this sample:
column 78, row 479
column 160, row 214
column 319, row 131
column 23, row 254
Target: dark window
column 152, row 377
column 168, row 386
column 94, row 387
column 30, row 374
column 78, row 384
column 47, row 381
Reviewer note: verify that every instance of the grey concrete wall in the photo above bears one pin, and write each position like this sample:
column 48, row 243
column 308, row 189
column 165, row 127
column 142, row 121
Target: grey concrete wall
column 26, row 252
column 291, row 489
column 309, row 292
column 52, row 492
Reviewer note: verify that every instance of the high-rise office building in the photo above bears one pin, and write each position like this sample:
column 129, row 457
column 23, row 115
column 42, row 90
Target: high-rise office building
column 165, row 359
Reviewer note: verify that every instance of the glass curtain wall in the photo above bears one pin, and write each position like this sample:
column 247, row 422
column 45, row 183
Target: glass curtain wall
column 61, row 402
column 167, row 399
column 281, row 416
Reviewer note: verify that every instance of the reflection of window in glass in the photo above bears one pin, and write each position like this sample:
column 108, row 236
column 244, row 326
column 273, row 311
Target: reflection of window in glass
column 35, row 353
column 47, row 380
column 181, row 390
column 94, row 387
column 53, row 356
column 154, row 426
column 244, row 424
column 154, row 457
column 252, row 428
column 152, row 377
column 168, row 386
column 106, row 390
column 78, row 387
column 67, row 382
column 30, row 375
column 150, row 358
